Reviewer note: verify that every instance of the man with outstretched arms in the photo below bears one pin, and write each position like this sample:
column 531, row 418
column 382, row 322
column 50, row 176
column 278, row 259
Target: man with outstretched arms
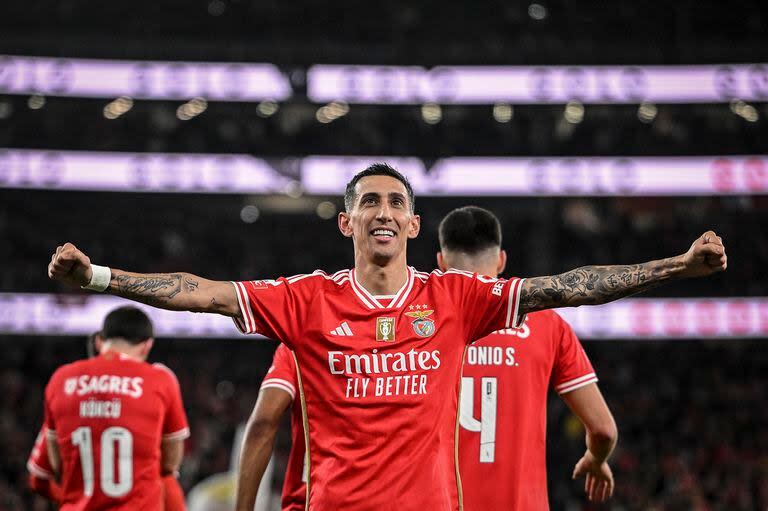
column 116, row 423
column 506, row 376
column 379, row 348
column 278, row 392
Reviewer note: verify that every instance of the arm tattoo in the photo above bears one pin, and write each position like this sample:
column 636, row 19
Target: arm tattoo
column 158, row 289
column 594, row 285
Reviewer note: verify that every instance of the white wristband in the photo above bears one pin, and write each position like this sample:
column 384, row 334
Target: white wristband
column 99, row 279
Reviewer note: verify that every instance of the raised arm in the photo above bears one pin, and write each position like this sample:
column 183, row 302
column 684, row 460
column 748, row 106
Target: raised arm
column 594, row 285
column 172, row 291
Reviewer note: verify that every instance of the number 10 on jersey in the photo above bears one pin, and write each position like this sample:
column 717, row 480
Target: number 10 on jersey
column 487, row 423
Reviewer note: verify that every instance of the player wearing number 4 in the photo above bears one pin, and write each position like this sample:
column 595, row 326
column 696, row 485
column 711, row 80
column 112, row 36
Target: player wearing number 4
column 379, row 347
column 506, row 377
column 116, row 423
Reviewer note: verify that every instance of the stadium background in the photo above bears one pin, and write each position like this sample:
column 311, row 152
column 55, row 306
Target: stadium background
column 686, row 379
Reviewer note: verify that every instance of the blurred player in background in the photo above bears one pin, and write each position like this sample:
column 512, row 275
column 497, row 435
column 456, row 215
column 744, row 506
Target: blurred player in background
column 379, row 347
column 116, row 424
column 277, row 394
column 506, row 376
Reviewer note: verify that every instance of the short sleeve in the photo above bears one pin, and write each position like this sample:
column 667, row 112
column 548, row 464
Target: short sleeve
column 38, row 463
column 272, row 308
column 572, row 368
column 175, row 425
column 489, row 304
column 282, row 373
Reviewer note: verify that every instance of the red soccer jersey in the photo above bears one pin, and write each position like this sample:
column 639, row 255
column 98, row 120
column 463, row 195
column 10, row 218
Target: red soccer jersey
column 109, row 415
column 41, row 478
column 503, row 418
column 380, row 378
column 282, row 375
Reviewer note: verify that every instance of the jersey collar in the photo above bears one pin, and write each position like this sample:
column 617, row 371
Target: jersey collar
column 371, row 302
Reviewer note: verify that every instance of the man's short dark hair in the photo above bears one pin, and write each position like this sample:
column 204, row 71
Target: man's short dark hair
column 129, row 323
column 469, row 230
column 376, row 169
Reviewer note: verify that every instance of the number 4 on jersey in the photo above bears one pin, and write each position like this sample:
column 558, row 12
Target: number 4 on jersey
column 487, row 423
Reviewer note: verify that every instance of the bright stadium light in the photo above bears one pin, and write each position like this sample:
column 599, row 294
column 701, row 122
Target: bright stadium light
column 293, row 189
column 431, row 113
column 744, row 110
column 118, row 107
column 249, row 214
column 503, row 112
column 191, row 109
column 267, row 108
column 332, row 111
column 36, row 101
column 322, row 115
column 647, row 112
column 574, row 112
column 326, row 210
column 537, row 12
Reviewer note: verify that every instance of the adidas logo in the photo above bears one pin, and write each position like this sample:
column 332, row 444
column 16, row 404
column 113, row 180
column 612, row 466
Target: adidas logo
column 342, row 330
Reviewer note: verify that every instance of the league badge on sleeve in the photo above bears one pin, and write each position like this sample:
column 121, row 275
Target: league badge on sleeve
column 422, row 325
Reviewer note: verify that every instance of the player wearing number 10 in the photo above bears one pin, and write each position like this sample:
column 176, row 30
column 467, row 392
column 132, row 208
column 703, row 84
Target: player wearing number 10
column 505, row 380
column 115, row 422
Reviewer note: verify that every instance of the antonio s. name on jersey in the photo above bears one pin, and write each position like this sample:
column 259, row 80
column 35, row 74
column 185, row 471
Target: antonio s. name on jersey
column 502, row 434
column 482, row 354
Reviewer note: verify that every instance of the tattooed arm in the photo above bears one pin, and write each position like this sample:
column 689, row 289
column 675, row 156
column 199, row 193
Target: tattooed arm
column 172, row 291
column 593, row 285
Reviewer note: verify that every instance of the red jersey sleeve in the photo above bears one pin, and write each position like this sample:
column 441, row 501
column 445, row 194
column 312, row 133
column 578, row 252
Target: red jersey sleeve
column 274, row 308
column 175, row 424
column 49, row 421
column 572, row 368
column 38, row 464
column 488, row 304
column 282, row 373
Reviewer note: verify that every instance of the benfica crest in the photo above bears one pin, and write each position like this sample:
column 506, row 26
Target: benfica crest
column 422, row 325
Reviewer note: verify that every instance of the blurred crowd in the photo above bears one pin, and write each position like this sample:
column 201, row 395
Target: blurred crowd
column 693, row 428
column 205, row 235
column 293, row 130
column 402, row 32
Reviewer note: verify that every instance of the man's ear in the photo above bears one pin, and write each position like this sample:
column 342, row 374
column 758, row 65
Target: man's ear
column 441, row 262
column 502, row 262
column 147, row 347
column 414, row 226
column 345, row 224
column 98, row 342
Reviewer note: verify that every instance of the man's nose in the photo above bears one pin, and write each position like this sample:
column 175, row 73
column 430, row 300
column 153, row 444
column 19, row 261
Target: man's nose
column 385, row 212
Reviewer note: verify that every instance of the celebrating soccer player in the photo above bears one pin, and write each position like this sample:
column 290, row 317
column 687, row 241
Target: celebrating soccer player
column 116, row 423
column 503, row 406
column 379, row 348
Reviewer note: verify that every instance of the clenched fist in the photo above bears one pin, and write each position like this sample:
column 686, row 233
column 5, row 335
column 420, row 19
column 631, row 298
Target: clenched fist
column 706, row 256
column 68, row 264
